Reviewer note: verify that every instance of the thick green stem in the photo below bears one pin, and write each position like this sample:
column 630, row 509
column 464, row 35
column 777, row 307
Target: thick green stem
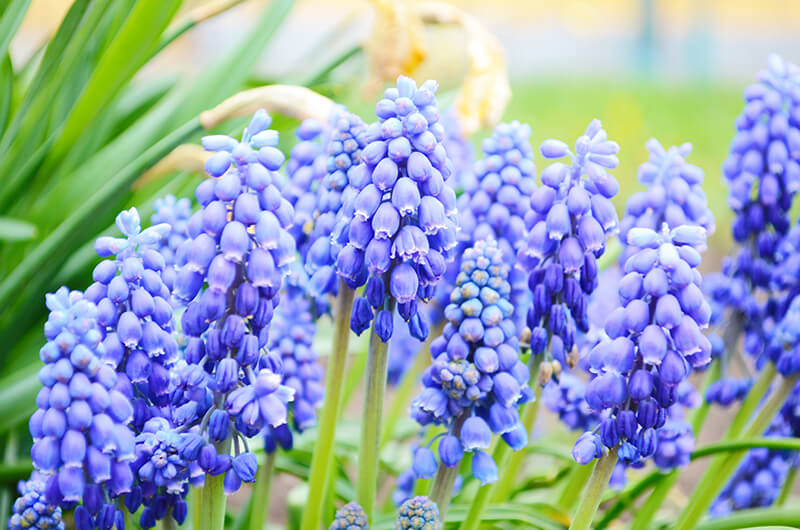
column 723, row 466
column 212, row 503
column 786, row 489
column 259, row 508
column 445, row 479
column 578, row 478
column 323, row 449
column 369, row 450
column 594, row 491
column 168, row 522
column 501, row 489
column 404, row 391
column 696, row 419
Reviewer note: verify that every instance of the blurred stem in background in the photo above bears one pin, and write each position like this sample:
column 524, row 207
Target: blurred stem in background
column 259, row 508
column 322, row 458
column 724, row 465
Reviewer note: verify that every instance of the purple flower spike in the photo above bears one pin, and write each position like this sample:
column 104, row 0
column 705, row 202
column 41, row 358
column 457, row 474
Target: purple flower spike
column 398, row 209
column 570, row 220
column 656, row 344
column 477, row 381
column 238, row 249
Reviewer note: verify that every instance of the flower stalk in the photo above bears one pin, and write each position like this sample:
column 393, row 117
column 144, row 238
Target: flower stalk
column 723, row 467
column 594, row 491
column 371, row 420
column 259, row 508
column 211, row 508
column 405, row 391
column 445, row 479
column 323, row 453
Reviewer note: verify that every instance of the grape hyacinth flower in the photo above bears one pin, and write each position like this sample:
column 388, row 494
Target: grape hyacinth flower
column 163, row 473
column 566, row 398
column 403, row 224
column 763, row 168
column 418, row 513
column 175, row 213
column 570, row 219
column 350, row 517
column 725, row 392
column 763, row 175
column 32, row 510
column 784, row 350
column 459, row 151
column 497, row 205
column 291, row 338
column 81, row 440
column 230, row 279
column 334, row 201
column 135, row 314
column 654, row 340
column 305, row 169
column 477, row 381
column 674, row 194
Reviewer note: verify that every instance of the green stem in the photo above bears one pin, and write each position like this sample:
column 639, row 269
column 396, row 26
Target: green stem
column 259, row 508
column 407, row 386
column 445, row 479
column 786, row 489
column 724, row 466
column 594, row 491
column 356, row 367
column 195, row 498
column 751, row 403
column 627, row 498
column 168, row 523
column 578, row 478
column 698, row 416
column 323, row 449
column 501, row 489
column 369, row 450
column 212, row 503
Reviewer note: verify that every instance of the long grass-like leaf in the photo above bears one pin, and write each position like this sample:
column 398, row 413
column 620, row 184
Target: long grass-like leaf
column 99, row 185
column 18, row 396
column 10, row 21
column 16, row 229
column 6, row 91
column 128, row 52
column 57, row 70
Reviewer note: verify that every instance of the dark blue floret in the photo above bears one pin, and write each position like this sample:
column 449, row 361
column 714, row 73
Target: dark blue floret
column 477, row 381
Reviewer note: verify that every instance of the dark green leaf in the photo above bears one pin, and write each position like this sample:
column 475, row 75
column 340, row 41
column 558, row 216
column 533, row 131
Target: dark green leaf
column 18, row 396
